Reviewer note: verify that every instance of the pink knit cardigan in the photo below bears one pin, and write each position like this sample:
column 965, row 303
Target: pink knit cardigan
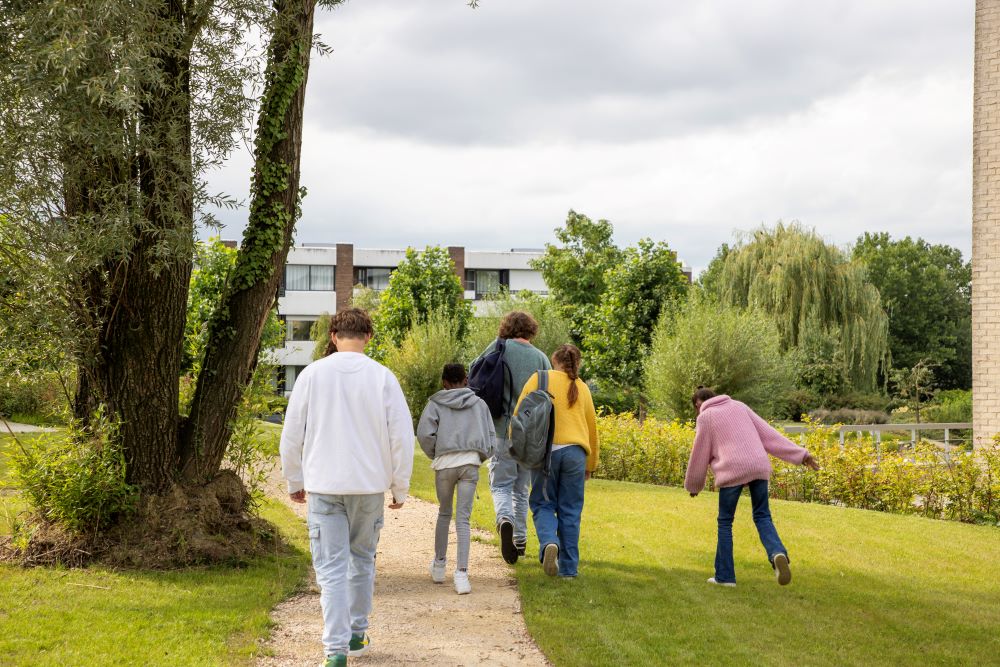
column 735, row 441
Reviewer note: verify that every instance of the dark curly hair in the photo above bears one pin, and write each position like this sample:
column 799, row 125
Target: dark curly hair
column 349, row 323
column 518, row 324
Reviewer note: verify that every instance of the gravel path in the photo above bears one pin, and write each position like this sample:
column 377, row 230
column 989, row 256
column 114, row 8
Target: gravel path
column 7, row 428
column 414, row 620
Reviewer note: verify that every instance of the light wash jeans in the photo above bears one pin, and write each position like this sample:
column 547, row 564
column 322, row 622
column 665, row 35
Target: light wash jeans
column 557, row 506
column 509, row 484
column 343, row 534
column 464, row 478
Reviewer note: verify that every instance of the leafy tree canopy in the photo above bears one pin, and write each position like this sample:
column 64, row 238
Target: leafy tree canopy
column 926, row 291
column 646, row 278
column 575, row 270
column 801, row 281
column 423, row 283
column 732, row 350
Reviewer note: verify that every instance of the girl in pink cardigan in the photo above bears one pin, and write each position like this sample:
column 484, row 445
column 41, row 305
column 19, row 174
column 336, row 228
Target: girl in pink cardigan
column 735, row 441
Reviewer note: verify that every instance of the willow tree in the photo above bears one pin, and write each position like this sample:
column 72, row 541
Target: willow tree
column 803, row 282
column 112, row 112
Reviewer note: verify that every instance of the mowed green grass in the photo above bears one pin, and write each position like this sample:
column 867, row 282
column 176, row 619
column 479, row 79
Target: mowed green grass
column 867, row 589
column 96, row 616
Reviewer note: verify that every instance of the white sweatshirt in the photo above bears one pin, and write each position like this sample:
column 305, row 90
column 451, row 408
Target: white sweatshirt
column 347, row 429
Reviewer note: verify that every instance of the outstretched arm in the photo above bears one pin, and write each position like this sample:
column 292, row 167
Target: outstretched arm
column 701, row 455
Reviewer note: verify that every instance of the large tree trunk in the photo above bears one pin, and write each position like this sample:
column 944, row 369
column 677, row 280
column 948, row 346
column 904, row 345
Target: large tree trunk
column 136, row 359
column 235, row 330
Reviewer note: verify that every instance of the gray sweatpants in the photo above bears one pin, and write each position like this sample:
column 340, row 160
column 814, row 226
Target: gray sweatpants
column 465, row 478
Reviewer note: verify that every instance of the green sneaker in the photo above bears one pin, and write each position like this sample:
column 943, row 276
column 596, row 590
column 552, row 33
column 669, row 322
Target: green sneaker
column 359, row 645
column 338, row 660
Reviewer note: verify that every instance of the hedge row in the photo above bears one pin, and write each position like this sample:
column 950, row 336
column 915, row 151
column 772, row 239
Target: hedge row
column 900, row 479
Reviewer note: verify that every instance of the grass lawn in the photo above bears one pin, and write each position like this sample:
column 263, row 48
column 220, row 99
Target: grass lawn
column 868, row 588
column 96, row 616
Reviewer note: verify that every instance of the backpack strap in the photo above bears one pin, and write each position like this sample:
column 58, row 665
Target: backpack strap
column 543, row 381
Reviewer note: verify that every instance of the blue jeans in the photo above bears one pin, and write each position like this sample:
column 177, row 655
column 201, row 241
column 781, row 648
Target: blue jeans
column 343, row 534
column 509, row 484
column 557, row 504
column 729, row 496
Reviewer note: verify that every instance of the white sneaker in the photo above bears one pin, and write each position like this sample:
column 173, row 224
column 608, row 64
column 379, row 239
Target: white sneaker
column 437, row 571
column 462, row 585
column 782, row 572
column 731, row 584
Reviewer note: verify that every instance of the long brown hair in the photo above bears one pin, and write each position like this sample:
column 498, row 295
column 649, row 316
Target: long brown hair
column 567, row 357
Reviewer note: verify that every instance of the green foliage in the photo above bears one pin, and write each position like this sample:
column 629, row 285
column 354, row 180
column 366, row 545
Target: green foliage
column 914, row 385
column 802, row 282
column 651, row 451
column 575, row 271
column 34, row 392
column 849, row 416
column 736, row 352
column 553, row 328
column 422, row 284
column 920, row 480
column 417, row 363
column 950, row 407
column 926, row 290
column 366, row 299
column 212, row 265
column 647, row 279
column 77, row 479
column 319, row 332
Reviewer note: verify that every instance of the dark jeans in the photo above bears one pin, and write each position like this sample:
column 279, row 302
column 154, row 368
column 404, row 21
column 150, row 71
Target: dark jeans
column 729, row 496
column 557, row 504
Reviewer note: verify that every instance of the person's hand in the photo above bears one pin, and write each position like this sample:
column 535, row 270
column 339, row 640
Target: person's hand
column 395, row 505
column 810, row 461
column 298, row 497
column 587, row 475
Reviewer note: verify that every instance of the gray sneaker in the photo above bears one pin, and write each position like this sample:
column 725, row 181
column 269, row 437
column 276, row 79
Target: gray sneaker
column 550, row 559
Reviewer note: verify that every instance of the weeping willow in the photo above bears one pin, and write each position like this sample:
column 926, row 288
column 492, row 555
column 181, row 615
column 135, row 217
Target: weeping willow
column 804, row 283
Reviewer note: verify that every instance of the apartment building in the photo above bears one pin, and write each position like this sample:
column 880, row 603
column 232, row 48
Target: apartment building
column 321, row 278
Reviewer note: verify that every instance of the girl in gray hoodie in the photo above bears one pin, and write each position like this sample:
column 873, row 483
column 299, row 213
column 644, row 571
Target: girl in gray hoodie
column 456, row 431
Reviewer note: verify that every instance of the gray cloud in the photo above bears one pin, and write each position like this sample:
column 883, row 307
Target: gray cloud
column 581, row 70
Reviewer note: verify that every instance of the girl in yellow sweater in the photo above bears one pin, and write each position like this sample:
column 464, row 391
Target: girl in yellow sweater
column 556, row 501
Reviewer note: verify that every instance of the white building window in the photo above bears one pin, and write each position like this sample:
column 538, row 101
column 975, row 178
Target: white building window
column 298, row 330
column 309, row 278
column 372, row 277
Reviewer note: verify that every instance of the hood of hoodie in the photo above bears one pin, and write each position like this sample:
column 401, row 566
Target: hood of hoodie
column 456, row 399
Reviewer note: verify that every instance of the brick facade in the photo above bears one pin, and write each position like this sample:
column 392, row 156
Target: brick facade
column 457, row 254
column 344, row 275
column 986, row 224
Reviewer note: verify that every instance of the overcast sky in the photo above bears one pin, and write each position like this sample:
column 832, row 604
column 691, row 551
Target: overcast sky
column 433, row 123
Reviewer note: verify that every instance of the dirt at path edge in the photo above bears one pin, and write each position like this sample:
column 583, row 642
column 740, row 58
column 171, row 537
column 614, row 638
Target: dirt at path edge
column 415, row 621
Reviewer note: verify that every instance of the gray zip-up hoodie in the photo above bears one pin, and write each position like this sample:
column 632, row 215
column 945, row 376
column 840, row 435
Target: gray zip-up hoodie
column 456, row 420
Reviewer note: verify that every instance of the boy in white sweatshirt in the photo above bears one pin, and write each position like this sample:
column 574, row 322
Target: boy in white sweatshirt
column 347, row 439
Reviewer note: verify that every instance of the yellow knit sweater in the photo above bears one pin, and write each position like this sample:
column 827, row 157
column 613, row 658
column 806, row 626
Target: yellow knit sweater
column 575, row 425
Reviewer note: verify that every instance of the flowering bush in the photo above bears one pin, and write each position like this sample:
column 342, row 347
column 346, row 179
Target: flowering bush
column 891, row 476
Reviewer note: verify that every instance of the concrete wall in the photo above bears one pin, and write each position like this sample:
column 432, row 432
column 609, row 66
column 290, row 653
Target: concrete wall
column 986, row 224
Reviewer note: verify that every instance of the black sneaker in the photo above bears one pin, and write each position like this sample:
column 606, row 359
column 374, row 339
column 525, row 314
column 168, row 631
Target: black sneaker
column 507, row 548
column 520, row 548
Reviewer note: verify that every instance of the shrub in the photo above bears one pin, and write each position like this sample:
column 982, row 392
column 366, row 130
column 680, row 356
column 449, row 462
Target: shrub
column 951, row 406
column 862, row 474
column 652, row 451
column 849, row 416
column 77, row 480
column 734, row 351
column 34, row 393
column 417, row 363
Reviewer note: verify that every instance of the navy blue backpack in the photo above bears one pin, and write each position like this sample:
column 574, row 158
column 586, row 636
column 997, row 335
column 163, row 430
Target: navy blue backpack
column 487, row 377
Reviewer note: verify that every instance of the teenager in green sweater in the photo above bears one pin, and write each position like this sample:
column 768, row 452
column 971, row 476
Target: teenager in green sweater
column 509, row 481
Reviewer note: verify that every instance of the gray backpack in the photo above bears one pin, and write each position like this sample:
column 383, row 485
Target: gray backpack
column 532, row 428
